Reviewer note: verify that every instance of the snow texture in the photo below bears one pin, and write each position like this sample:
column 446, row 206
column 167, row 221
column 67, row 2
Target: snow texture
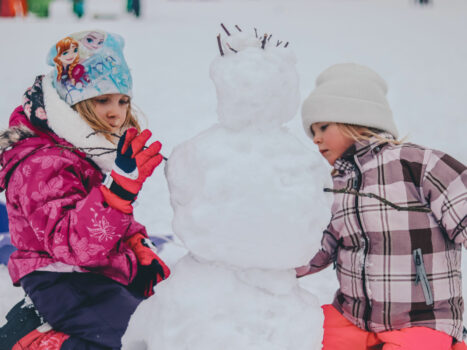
column 255, row 87
column 207, row 305
column 242, row 190
column 242, row 193
column 241, row 198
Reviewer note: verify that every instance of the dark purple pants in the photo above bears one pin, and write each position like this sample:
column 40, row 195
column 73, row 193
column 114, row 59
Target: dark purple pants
column 92, row 309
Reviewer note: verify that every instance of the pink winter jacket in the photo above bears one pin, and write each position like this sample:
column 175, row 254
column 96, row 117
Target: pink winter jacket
column 56, row 210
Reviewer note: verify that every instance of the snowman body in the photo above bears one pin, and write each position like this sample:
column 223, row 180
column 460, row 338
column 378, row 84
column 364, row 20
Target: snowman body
column 248, row 205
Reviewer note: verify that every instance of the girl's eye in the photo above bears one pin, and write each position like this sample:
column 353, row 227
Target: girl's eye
column 124, row 102
column 76, row 50
column 65, row 53
column 101, row 100
column 323, row 127
column 89, row 40
column 101, row 42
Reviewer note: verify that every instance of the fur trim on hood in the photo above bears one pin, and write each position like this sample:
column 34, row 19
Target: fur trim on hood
column 48, row 113
column 14, row 134
column 68, row 124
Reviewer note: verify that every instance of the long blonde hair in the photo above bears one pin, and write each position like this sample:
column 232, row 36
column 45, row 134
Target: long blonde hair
column 86, row 110
column 363, row 133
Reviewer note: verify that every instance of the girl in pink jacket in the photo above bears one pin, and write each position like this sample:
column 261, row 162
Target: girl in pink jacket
column 72, row 162
column 399, row 221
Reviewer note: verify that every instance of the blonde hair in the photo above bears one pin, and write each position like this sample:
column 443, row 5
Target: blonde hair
column 363, row 133
column 86, row 110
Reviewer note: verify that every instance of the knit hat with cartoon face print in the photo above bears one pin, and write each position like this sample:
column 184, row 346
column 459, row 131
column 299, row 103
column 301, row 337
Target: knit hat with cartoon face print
column 88, row 64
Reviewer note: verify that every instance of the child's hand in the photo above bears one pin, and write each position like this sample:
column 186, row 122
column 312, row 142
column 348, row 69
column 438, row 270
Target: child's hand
column 302, row 271
column 151, row 269
column 133, row 165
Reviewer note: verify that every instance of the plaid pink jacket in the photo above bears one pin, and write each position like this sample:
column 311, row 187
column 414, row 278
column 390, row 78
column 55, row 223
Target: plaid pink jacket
column 397, row 268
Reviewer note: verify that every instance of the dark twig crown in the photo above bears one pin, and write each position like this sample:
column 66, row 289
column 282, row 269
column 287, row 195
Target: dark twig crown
column 263, row 40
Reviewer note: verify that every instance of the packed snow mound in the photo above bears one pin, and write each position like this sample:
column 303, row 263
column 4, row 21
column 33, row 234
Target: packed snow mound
column 248, row 199
column 243, row 191
column 249, row 206
column 256, row 87
column 210, row 306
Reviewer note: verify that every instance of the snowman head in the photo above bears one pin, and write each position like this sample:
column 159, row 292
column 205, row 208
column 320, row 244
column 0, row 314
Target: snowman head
column 256, row 80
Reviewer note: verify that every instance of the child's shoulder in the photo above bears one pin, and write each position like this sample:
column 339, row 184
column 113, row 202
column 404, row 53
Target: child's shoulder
column 426, row 157
column 413, row 152
column 22, row 147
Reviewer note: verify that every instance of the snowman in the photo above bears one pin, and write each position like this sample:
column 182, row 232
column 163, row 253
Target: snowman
column 249, row 207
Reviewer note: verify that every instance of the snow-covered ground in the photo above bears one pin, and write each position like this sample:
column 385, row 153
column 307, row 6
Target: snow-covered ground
column 420, row 51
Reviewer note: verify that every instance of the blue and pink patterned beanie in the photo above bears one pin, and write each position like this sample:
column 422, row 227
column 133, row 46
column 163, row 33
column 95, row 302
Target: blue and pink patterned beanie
column 88, row 64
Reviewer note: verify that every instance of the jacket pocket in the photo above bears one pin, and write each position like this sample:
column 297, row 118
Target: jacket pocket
column 421, row 276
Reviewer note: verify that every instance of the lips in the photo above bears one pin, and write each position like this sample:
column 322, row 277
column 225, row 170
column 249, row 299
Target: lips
column 322, row 151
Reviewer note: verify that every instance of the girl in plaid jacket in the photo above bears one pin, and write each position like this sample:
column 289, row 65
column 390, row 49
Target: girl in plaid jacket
column 399, row 220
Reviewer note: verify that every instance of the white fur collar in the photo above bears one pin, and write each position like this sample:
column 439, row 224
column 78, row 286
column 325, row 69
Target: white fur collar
column 68, row 124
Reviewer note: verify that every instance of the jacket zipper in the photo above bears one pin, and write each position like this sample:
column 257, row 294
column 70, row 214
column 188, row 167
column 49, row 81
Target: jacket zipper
column 356, row 186
column 421, row 276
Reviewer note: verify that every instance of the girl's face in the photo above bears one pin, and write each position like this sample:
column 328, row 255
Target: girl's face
column 68, row 56
column 332, row 143
column 112, row 109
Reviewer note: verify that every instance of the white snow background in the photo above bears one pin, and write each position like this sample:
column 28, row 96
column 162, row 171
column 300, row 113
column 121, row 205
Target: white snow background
column 420, row 51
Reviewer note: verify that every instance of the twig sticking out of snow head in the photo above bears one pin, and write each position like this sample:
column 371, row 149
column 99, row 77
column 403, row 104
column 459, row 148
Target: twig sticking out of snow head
column 231, row 48
column 225, row 29
column 220, row 44
column 263, row 42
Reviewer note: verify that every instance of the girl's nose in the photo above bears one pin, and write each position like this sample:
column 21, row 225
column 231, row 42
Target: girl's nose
column 316, row 139
column 112, row 112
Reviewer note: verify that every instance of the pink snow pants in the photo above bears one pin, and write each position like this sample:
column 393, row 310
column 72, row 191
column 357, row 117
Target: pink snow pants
column 341, row 334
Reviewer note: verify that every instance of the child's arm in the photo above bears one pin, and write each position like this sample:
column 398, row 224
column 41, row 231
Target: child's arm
column 323, row 258
column 74, row 226
column 444, row 186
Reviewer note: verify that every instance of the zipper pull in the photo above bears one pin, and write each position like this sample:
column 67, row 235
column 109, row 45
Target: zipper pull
column 422, row 277
column 355, row 183
column 417, row 278
column 418, row 263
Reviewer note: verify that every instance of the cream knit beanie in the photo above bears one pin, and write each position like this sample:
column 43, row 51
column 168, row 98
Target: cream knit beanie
column 352, row 94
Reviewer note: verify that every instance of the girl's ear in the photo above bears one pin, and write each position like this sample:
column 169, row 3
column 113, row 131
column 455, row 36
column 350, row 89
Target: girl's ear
column 311, row 130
